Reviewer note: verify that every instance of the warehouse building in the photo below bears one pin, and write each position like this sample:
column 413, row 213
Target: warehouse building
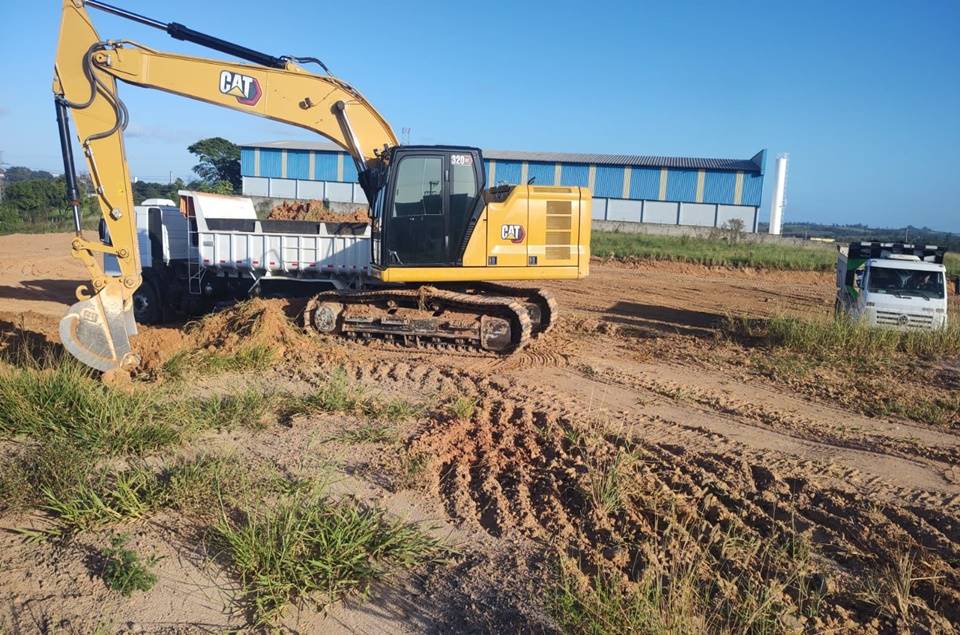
column 647, row 189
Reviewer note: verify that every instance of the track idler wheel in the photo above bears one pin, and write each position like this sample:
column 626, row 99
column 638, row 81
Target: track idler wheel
column 495, row 334
column 326, row 317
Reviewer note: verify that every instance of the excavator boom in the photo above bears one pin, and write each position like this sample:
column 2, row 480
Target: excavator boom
column 96, row 329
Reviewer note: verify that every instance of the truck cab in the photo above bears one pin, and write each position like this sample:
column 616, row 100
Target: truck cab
column 893, row 285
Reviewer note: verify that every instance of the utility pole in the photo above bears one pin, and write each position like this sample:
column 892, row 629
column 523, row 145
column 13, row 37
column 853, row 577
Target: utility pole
column 3, row 176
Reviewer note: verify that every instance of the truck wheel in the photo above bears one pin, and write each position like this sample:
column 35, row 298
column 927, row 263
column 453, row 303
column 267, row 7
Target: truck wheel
column 146, row 304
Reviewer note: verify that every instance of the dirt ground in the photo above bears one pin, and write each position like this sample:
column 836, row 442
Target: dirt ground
column 635, row 357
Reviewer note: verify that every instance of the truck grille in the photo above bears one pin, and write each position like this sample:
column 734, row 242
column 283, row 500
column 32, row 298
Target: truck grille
column 907, row 320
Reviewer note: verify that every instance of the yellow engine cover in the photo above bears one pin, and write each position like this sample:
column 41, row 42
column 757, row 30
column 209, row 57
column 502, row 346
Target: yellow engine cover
column 537, row 233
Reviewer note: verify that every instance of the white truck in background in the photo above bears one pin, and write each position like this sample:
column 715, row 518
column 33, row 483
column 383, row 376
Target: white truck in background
column 894, row 285
column 210, row 248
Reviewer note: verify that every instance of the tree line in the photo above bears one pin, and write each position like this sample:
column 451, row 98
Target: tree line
column 35, row 200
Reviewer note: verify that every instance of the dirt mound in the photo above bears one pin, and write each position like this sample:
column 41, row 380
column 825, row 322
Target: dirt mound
column 315, row 211
column 155, row 345
column 256, row 322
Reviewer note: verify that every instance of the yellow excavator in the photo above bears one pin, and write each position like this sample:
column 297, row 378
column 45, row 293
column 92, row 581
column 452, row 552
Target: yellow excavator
column 442, row 240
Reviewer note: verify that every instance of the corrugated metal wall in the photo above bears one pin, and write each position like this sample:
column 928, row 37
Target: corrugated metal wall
column 645, row 183
column 270, row 162
column 608, row 181
column 543, row 172
column 682, row 185
column 718, row 187
column 298, row 164
column 752, row 189
column 325, row 166
column 507, row 172
column 349, row 169
column 576, row 174
column 247, row 162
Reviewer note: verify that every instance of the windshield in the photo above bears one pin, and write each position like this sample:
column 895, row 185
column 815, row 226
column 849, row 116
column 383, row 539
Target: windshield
column 905, row 282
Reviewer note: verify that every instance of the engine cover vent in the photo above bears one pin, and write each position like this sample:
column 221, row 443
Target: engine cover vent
column 559, row 234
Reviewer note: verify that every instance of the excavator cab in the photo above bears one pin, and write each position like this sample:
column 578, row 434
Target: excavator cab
column 422, row 213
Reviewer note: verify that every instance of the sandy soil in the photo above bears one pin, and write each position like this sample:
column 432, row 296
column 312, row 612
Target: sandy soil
column 634, row 360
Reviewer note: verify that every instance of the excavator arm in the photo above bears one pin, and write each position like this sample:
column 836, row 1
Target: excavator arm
column 96, row 329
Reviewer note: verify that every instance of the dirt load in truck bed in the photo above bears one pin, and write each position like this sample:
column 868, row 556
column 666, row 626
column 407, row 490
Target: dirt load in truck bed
column 315, row 211
column 665, row 437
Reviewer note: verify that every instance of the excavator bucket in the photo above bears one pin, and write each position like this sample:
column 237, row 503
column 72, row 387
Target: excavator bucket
column 97, row 332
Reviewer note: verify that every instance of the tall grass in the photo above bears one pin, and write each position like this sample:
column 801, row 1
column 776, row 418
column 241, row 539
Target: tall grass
column 866, row 359
column 718, row 583
column 952, row 262
column 840, row 338
column 67, row 402
column 704, row 251
column 311, row 547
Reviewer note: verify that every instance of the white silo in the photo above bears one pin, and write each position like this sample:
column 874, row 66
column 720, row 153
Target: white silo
column 779, row 190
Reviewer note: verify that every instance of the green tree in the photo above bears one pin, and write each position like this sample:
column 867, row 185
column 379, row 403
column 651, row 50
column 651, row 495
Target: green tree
column 40, row 205
column 19, row 173
column 219, row 162
column 143, row 190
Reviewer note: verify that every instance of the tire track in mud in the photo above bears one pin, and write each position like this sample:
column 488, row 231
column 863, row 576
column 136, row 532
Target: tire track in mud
column 799, row 426
column 532, row 463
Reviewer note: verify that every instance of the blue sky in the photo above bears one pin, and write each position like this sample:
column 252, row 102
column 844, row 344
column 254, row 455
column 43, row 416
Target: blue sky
column 865, row 96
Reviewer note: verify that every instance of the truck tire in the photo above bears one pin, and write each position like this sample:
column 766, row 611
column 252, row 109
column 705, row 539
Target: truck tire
column 146, row 304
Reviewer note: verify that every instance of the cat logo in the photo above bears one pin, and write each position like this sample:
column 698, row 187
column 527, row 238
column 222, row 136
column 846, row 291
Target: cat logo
column 245, row 88
column 513, row 233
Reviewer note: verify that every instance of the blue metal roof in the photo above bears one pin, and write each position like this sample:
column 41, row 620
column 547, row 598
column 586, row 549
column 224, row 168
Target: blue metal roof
column 753, row 164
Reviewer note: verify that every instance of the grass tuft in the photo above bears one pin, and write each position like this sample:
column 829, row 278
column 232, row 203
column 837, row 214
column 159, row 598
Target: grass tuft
column 370, row 433
column 105, row 498
column 336, row 394
column 339, row 394
column 309, row 546
column 249, row 408
column 606, row 480
column 890, row 588
column 123, row 570
column 462, row 407
column 187, row 363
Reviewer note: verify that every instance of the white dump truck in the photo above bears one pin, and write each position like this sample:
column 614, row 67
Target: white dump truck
column 895, row 285
column 209, row 248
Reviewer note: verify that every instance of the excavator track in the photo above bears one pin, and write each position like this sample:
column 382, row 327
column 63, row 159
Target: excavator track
column 540, row 303
column 423, row 316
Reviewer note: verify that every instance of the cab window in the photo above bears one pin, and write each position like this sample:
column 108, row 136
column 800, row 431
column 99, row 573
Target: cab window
column 419, row 187
column 463, row 195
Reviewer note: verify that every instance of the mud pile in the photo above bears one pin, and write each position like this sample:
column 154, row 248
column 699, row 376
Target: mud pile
column 256, row 322
column 315, row 211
